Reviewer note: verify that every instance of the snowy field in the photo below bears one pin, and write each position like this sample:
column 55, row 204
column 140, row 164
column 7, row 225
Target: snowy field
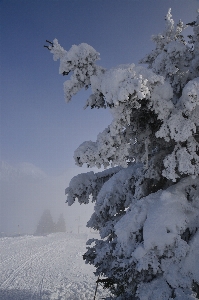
column 46, row 267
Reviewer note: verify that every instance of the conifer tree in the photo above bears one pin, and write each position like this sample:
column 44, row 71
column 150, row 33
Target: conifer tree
column 60, row 225
column 45, row 224
column 147, row 201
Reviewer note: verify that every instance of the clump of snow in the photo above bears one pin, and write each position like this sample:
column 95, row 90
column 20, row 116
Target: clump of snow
column 163, row 218
column 80, row 60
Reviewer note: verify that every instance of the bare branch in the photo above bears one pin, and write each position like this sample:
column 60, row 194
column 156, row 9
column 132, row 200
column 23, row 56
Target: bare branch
column 192, row 23
column 49, row 42
column 49, row 47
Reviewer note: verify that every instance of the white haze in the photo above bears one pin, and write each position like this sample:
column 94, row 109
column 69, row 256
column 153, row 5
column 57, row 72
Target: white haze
column 26, row 191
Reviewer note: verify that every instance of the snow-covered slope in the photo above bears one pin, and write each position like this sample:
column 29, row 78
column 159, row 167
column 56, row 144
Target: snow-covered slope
column 22, row 170
column 45, row 267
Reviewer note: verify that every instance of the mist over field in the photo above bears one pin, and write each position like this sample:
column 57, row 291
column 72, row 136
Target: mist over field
column 26, row 191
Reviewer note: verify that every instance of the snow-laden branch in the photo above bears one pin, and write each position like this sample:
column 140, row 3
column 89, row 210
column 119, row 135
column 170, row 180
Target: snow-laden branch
column 81, row 61
column 86, row 185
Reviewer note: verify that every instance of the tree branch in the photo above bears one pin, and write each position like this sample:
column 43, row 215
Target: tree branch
column 49, row 47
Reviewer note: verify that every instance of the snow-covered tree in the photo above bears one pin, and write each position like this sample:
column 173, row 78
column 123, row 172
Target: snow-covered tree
column 60, row 225
column 147, row 201
column 45, row 224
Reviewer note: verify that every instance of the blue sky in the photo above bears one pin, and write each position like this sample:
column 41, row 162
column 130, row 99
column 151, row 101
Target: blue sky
column 37, row 126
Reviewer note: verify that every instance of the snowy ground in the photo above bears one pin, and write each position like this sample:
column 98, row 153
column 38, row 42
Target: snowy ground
column 46, row 267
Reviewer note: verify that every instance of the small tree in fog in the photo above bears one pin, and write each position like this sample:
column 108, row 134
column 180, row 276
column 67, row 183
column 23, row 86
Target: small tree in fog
column 61, row 225
column 45, row 224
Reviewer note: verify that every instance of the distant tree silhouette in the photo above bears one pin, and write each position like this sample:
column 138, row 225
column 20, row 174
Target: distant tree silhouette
column 45, row 224
column 61, row 225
